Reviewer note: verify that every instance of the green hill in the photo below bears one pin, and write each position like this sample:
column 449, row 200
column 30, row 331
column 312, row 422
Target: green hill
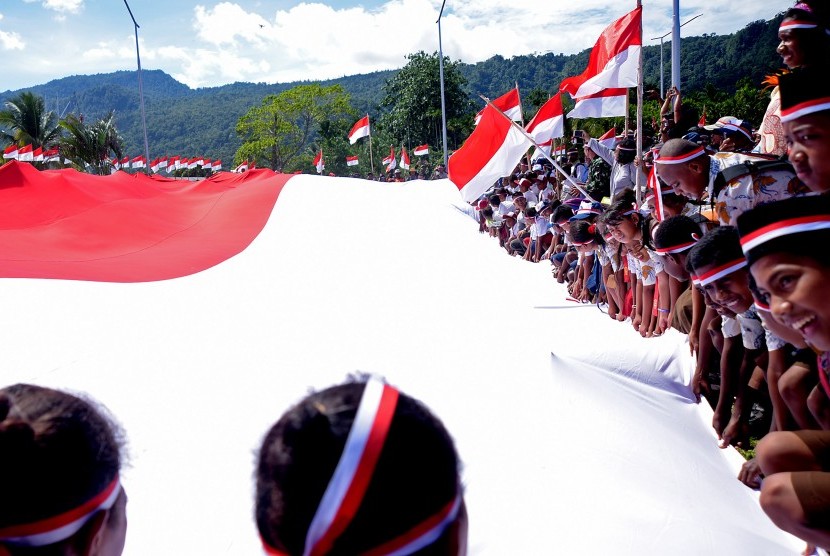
column 190, row 122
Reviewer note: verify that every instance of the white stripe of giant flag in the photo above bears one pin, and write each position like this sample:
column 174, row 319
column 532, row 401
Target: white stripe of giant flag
column 491, row 151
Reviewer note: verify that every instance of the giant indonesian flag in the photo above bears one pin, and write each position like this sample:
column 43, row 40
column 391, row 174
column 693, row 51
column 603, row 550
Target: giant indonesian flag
column 614, row 59
column 604, row 104
column 359, row 129
column 509, row 103
column 549, row 121
column 490, row 152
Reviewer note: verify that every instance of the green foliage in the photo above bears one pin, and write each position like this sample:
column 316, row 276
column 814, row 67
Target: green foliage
column 412, row 102
column 89, row 146
column 26, row 120
column 278, row 132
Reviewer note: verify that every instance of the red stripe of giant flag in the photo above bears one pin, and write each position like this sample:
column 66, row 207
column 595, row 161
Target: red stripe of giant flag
column 146, row 228
column 491, row 151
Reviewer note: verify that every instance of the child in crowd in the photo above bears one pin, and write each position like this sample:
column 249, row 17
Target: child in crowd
column 791, row 276
column 319, row 491
column 60, row 493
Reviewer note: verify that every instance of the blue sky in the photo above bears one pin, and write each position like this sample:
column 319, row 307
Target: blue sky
column 212, row 43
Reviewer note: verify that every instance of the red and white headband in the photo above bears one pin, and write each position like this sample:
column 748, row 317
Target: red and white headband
column 60, row 527
column 783, row 228
column 680, row 159
column 678, row 248
column 704, row 280
column 796, row 24
column 804, row 108
column 352, row 476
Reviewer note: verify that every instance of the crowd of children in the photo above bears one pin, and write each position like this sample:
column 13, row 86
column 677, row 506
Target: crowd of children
column 727, row 242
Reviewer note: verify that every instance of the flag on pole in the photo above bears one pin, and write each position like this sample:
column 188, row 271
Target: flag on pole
column 545, row 150
column 116, row 164
column 24, row 154
column 217, row 165
column 318, row 162
column 614, row 60
column 404, row 159
column 390, row 160
column 604, row 104
column 37, row 154
column 243, row 167
column 351, row 161
column 655, row 191
column 138, row 162
column 10, row 152
column 702, row 121
column 490, row 152
column 359, row 129
column 507, row 103
column 549, row 121
column 172, row 164
column 421, row 150
column 192, row 163
column 609, row 139
column 154, row 165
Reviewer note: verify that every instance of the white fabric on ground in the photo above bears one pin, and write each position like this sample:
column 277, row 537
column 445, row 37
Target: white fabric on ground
column 580, row 440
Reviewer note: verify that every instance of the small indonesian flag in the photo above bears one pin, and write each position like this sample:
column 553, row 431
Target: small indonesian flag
column 207, row 164
column 163, row 162
column 507, row 103
column 172, row 164
column 359, row 129
column 243, row 167
column 545, row 150
column 421, row 150
column 609, row 139
column 193, row 163
column 702, row 121
column 154, row 165
column 318, row 162
column 351, row 161
column 217, row 165
column 404, row 159
column 549, row 121
column 390, row 160
column 116, row 164
column 24, row 154
column 10, row 153
column 125, row 162
column 37, row 154
column 138, row 162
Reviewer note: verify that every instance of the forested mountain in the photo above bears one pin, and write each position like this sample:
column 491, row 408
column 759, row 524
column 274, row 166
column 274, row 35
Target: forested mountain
column 191, row 122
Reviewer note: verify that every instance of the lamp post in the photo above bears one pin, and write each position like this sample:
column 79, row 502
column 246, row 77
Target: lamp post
column 140, row 93
column 441, row 77
column 662, row 88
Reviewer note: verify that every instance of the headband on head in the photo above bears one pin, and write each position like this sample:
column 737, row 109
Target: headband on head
column 680, row 159
column 60, row 527
column 719, row 272
column 678, row 248
column 347, row 486
column 782, row 228
column 796, row 24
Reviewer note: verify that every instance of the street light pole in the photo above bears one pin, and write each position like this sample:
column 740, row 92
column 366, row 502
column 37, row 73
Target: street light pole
column 140, row 93
column 441, row 77
column 662, row 88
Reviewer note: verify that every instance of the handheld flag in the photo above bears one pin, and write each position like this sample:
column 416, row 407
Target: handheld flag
column 490, row 152
column 421, row 150
column 614, row 60
column 351, row 161
column 404, row 159
column 509, row 104
column 604, row 104
column 549, row 121
column 359, row 129
column 318, row 162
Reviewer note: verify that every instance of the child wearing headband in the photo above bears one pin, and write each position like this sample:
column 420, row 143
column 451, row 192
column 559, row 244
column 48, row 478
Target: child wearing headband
column 359, row 468
column 785, row 246
column 60, row 492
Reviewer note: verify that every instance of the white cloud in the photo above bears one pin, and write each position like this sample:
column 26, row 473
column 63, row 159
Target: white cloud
column 227, row 24
column 10, row 40
column 65, row 6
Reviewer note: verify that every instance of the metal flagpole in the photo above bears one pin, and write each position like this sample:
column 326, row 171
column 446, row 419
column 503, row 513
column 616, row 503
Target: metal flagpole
column 371, row 158
column 637, row 179
column 140, row 93
column 441, row 77
column 535, row 144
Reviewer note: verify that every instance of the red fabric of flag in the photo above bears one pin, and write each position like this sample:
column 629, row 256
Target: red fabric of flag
column 68, row 225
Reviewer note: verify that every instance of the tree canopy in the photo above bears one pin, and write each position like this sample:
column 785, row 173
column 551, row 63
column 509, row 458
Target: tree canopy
column 280, row 131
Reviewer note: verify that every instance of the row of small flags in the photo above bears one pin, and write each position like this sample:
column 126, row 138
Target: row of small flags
column 170, row 163
column 29, row 154
column 389, row 161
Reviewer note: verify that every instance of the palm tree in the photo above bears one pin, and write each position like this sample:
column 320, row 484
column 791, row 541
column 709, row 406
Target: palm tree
column 88, row 146
column 25, row 120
